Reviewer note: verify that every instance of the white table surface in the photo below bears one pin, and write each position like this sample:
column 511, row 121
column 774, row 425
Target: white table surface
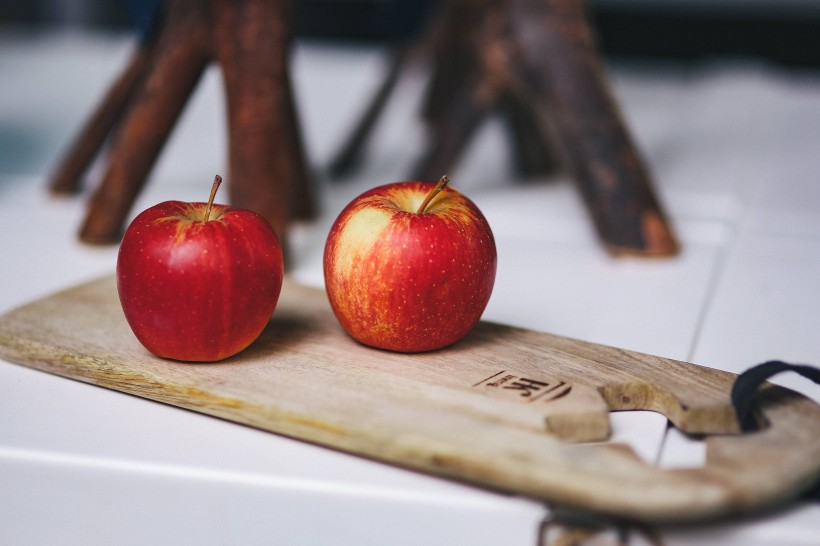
column 735, row 152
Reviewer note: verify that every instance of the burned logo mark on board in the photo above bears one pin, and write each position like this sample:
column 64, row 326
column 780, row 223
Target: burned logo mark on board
column 528, row 389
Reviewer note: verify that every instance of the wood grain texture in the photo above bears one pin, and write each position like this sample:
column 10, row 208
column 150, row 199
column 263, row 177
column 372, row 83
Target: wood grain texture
column 507, row 409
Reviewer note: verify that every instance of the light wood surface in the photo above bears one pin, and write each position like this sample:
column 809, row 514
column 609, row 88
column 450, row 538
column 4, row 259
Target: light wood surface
column 507, row 409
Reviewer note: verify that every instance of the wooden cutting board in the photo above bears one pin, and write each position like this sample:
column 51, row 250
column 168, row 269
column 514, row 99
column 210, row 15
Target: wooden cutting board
column 508, row 409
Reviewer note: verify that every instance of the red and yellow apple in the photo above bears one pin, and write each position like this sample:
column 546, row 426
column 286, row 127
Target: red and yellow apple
column 410, row 266
column 198, row 281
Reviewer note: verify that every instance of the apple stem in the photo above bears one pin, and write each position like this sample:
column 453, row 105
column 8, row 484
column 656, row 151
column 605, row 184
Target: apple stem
column 443, row 181
column 217, row 182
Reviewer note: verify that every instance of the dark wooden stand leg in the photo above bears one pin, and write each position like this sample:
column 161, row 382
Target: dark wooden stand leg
column 450, row 132
column 560, row 64
column 463, row 89
column 266, row 166
column 533, row 151
column 268, row 171
column 86, row 145
column 351, row 154
column 536, row 63
column 183, row 51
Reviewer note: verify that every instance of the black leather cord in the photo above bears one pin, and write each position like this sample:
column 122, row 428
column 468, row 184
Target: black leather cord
column 746, row 385
column 748, row 382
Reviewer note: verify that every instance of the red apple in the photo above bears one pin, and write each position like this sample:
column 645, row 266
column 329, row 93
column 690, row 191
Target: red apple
column 198, row 281
column 410, row 266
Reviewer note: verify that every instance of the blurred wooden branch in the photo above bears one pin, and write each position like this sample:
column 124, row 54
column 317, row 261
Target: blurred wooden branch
column 533, row 61
column 250, row 40
column 536, row 63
